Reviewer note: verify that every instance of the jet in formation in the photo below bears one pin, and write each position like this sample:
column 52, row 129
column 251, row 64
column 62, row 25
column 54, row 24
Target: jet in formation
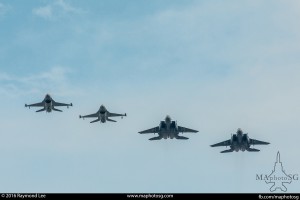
column 240, row 141
column 103, row 115
column 48, row 104
column 168, row 129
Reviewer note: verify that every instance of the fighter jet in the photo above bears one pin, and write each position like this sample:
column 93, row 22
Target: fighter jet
column 103, row 115
column 240, row 141
column 168, row 129
column 48, row 104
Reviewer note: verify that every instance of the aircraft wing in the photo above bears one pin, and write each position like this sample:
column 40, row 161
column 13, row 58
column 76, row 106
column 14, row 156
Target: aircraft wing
column 88, row 116
column 186, row 130
column 220, row 144
column 151, row 130
column 36, row 105
column 257, row 142
column 115, row 115
column 61, row 104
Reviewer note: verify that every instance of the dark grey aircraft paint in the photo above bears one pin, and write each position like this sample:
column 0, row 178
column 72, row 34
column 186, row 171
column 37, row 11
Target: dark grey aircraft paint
column 48, row 104
column 168, row 129
column 103, row 115
column 240, row 141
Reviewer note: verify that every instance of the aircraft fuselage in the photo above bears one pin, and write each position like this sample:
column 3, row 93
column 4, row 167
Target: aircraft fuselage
column 48, row 103
column 239, row 142
column 168, row 129
column 102, row 114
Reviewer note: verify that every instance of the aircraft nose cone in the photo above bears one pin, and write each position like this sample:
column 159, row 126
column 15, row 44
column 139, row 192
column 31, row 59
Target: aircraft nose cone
column 239, row 131
column 168, row 118
column 102, row 108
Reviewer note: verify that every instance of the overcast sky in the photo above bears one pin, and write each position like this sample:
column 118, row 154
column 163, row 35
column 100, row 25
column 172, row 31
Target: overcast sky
column 214, row 66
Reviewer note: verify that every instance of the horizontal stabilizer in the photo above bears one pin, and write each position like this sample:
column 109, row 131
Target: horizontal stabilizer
column 253, row 150
column 156, row 138
column 56, row 110
column 227, row 151
column 97, row 120
column 181, row 138
column 111, row 120
column 43, row 109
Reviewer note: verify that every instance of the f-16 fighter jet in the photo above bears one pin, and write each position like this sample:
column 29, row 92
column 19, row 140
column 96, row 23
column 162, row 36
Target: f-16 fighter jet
column 48, row 104
column 103, row 115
